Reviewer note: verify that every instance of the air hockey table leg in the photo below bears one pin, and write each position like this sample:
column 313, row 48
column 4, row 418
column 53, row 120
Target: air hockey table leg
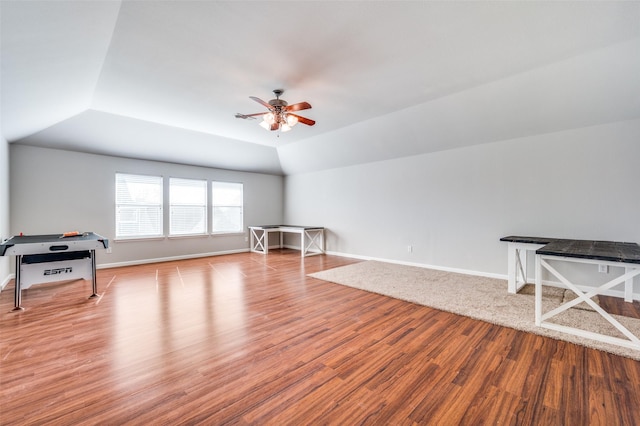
column 94, row 281
column 17, row 297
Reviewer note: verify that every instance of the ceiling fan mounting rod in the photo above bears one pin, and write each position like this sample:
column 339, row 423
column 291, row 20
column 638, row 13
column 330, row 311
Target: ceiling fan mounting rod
column 278, row 103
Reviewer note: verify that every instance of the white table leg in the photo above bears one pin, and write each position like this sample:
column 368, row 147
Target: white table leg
column 521, row 268
column 628, row 288
column 252, row 245
column 538, row 291
column 259, row 242
column 313, row 242
column 632, row 340
column 511, row 267
column 517, row 268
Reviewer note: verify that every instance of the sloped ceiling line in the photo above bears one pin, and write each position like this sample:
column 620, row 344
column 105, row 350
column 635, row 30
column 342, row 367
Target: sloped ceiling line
column 106, row 52
column 136, row 78
column 52, row 54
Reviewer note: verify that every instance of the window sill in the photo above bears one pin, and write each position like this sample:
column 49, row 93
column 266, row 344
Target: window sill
column 178, row 237
column 133, row 239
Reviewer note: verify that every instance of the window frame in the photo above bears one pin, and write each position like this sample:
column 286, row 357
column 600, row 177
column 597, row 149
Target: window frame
column 205, row 206
column 122, row 204
column 240, row 229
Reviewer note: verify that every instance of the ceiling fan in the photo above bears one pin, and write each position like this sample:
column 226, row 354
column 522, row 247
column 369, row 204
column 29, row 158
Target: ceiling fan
column 280, row 114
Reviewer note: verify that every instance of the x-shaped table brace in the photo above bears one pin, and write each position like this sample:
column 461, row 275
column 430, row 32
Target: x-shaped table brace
column 315, row 240
column 632, row 340
column 259, row 243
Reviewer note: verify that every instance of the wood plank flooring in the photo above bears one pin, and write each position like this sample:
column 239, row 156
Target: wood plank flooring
column 250, row 339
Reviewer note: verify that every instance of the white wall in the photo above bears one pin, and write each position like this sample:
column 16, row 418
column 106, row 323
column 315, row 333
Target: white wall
column 453, row 206
column 54, row 191
column 4, row 209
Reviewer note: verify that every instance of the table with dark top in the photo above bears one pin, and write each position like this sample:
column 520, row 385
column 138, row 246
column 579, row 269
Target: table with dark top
column 609, row 251
column 550, row 252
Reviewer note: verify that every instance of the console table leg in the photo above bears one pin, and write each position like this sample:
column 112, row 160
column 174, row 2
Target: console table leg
column 538, row 290
column 628, row 288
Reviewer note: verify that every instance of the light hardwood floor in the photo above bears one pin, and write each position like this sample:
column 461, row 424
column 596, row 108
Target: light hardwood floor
column 250, row 339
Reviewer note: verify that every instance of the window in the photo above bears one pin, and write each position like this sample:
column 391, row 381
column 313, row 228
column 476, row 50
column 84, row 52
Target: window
column 188, row 209
column 227, row 204
column 138, row 206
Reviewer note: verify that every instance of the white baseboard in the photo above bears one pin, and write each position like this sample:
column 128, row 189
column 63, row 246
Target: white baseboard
column 423, row 265
column 614, row 293
column 168, row 259
column 6, row 281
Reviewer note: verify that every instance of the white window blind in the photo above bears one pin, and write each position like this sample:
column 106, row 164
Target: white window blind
column 138, row 206
column 188, row 206
column 227, row 202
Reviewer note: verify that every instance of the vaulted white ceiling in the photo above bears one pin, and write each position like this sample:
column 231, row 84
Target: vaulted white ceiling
column 163, row 80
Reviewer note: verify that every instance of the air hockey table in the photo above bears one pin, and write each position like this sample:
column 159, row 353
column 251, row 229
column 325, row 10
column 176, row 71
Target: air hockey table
column 52, row 258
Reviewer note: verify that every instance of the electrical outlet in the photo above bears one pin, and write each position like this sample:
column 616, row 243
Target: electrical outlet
column 603, row 269
column 410, row 249
column 109, row 250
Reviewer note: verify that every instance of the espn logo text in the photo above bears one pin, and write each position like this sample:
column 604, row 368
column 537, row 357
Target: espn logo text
column 57, row 271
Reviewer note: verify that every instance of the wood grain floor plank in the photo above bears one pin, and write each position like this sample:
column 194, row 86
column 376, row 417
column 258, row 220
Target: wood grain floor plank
column 251, row 339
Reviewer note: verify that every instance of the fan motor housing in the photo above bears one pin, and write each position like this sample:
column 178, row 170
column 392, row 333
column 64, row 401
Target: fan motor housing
column 278, row 103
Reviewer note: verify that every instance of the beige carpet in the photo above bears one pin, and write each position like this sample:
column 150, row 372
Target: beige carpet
column 481, row 298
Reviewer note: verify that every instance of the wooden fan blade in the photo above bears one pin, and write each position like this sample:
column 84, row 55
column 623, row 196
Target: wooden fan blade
column 238, row 115
column 261, row 102
column 298, row 107
column 304, row 120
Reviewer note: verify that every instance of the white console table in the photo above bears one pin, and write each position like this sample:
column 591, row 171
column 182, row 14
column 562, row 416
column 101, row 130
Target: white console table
column 626, row 255
column 517, row 250
column 311, row 238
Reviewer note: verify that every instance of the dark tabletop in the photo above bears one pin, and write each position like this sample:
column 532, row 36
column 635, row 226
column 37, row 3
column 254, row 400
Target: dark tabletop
column 527, row 240
column 599, row 250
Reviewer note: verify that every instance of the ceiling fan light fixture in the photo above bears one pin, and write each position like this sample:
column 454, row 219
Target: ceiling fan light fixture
column 269, row 118
column 284, row 127
column 265, row 125
column 292, row 120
